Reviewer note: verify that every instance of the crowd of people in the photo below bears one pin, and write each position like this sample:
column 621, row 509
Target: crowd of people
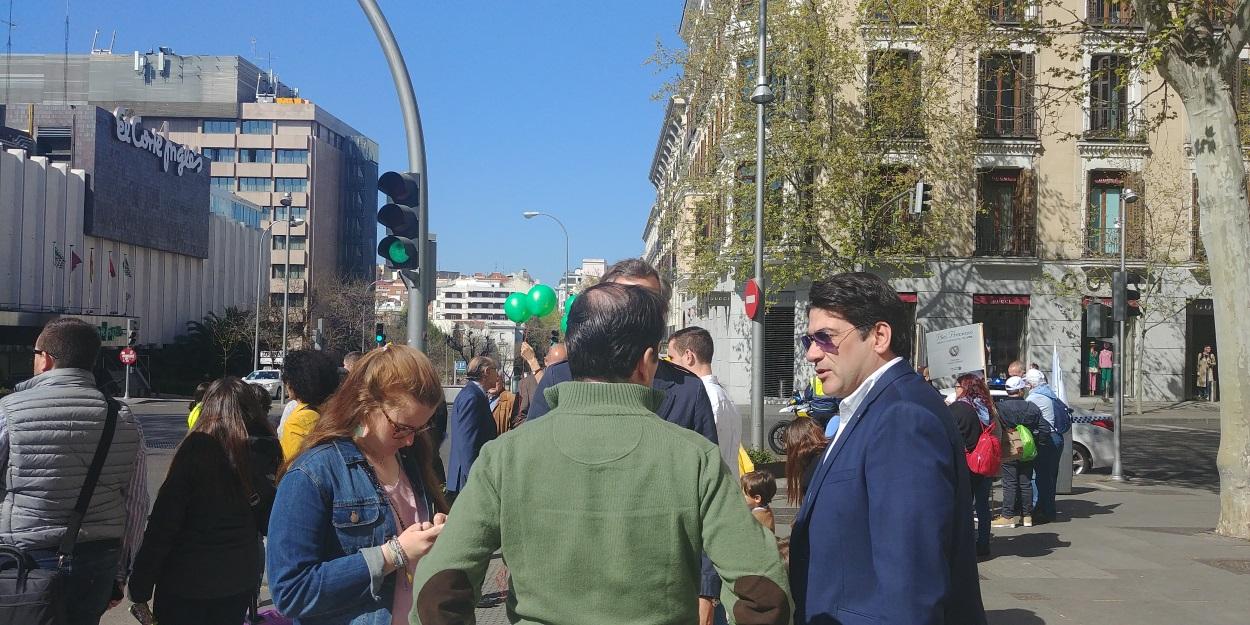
column 610, row 481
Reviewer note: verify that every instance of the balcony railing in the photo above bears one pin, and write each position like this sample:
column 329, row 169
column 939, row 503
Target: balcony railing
column 997, row 236
column 1007, row 12
column 1108, row 121
column 1112, row 14
column 1105, row 243
column 1007, row 121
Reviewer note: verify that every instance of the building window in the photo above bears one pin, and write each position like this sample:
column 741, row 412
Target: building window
column 1007, row 215
column 453, row 305
column 299, row 212
column 279, row 212
column 1107, row 209
column 1199, row 250
column 279, row 242
column 299, row 157
column 1006, row 323
column 893, row 99
column 222, row 182
column 1007, row 11
column 291, row 185
column 219, row 126
column 220, row 155
column 456, row 316
column 255, row 155
column 1108, row 95
column 1111, row 13
column 298, row 242
column 257, row 127
column 1005, row 101
column 255, row 184
column 297, row 299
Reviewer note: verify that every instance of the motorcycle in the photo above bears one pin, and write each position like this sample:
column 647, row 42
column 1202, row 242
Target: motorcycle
column 803, row 404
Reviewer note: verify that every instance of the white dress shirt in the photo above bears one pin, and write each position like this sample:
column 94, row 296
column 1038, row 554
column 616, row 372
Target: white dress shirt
column 728, row 421
column 850, row 403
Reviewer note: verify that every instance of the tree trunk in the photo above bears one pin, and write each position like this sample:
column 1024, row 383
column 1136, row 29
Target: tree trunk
column 1226, row 234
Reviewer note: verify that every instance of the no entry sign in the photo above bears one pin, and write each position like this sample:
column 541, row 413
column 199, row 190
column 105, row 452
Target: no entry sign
column 752, row 298
column 128, row 356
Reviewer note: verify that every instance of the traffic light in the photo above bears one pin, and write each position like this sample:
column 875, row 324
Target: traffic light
column 132, row 332
column 379, row 334
column 1098, row 321
column 400, row 218
column 555, row 337
column 1119, row 296
column 922, row 197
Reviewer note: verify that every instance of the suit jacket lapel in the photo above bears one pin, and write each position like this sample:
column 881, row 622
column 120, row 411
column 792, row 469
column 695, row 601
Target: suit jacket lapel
column 818, row 480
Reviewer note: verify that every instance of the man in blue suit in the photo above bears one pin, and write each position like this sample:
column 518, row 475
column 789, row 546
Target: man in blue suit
column 471, row 422
column 885, row 532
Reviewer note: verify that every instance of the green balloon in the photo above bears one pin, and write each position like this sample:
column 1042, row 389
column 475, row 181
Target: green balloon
column 515, row 308
column 568, row 304
column 541, row 300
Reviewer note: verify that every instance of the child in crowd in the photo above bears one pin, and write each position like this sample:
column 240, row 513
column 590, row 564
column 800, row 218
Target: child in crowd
column 759, row 488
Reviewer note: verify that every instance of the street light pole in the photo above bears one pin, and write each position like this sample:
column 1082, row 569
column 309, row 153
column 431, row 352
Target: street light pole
column 1117, row 468
column 286, row 287
column 761, row 96
column 533, row 214
column 261, row 265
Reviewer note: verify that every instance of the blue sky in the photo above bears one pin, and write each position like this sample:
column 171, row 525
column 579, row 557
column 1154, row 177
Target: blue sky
column 527, row 105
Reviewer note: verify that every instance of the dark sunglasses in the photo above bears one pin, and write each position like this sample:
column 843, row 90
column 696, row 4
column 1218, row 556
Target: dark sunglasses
column 402, row 431
column 825, row 341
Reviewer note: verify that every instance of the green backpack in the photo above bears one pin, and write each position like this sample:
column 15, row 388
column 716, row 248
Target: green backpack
column 1019, row 444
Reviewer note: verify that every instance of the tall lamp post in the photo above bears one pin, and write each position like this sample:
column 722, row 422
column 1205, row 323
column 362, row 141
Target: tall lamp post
column 761, row 97
column 1117, row 469
column 533, row 214
column 286, row 284
column 261, row 265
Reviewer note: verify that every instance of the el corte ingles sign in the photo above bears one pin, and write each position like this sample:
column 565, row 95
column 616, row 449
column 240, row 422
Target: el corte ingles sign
column 129, row 131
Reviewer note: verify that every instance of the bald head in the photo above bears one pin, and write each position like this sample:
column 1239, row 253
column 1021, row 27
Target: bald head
column 556, row 354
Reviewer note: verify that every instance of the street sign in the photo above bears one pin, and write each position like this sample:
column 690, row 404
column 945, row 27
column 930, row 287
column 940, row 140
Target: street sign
column 752, row 298
column 128, row 356
column 461, row 366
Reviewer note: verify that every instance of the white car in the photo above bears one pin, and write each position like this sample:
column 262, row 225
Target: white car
column 268, row 379
column 1093, row 435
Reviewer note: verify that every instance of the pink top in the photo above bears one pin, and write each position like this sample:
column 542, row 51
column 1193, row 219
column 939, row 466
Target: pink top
column 1105, row 359
column 408, row 510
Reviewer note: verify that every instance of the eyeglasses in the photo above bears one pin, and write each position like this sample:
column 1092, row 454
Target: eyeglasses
column 402, row 431
column 825, row 341
column 42, row 352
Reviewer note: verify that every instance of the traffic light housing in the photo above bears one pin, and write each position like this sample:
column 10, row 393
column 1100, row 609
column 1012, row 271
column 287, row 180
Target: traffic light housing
column 132, row 332
column 400, row 217
column 379, row 334
column 1124, row 301
column 922, row 197
column 1098, row 322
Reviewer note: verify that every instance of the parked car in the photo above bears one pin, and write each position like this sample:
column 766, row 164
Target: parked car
column 1093, row 440
column 1093, row 435
column 268, row 379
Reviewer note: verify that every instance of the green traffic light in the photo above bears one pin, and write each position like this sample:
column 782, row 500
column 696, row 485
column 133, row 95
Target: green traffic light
column 397, row 252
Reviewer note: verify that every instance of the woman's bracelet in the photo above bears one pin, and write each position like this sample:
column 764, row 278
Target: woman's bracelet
column 397, row 551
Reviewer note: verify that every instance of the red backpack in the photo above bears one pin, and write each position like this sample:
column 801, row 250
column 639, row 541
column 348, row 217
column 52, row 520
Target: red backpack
column 987, row 456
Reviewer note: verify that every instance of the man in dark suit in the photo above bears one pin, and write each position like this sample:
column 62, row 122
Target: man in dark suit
column 685, row 399
column 885, row 532
column 471, row 421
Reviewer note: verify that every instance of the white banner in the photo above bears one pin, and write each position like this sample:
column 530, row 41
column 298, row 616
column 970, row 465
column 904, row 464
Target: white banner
column 955, row 350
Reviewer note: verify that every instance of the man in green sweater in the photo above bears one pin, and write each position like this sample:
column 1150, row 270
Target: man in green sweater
column 601, row 509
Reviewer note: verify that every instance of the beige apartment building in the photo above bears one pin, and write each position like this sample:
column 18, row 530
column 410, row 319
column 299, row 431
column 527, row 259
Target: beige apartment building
column 1047, row 201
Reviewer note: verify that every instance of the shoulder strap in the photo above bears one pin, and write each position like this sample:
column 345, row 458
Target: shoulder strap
column 93, row 476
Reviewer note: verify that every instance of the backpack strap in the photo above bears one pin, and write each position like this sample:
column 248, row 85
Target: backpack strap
column 66, row 550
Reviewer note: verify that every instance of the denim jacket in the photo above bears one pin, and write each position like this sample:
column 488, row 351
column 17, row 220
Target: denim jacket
column 326, row 533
